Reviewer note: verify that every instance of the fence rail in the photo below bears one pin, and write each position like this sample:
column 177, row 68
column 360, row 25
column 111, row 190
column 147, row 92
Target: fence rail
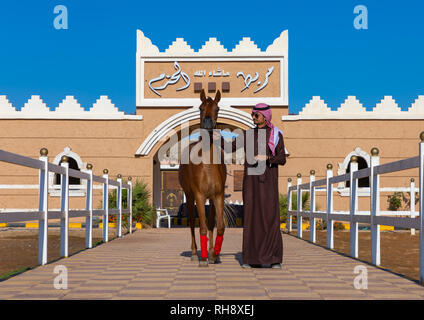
column 375, row 217
column 43, row 214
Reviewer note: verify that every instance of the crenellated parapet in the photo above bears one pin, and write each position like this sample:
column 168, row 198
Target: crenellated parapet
column 353, row 109
column 212, row 47
column 69, row 108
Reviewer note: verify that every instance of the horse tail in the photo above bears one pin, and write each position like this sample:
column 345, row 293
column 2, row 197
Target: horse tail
column 230, row 214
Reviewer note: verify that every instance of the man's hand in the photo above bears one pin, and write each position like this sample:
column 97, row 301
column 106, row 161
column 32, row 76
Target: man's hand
column 261, row 157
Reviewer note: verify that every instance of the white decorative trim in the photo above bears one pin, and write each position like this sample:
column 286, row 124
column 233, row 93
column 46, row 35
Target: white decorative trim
column 35, row 105
column 418, row 106
column 352, row 106
column 246, row 47
column 145, row 46
column 69, row 108
column 180, row 48
column 195, row 102
column 212, row 47
column 280, row 46
column 387, row 106
column 352, row 109
column 6, row 106
column 316, row 106
column 105, row 106
column 185, row 116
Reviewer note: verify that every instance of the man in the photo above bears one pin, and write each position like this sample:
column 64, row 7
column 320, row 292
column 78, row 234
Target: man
column 262, row 240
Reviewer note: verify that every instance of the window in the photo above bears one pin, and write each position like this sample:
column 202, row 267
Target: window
column 77, row 186
column 72, row 180
column 363, row 182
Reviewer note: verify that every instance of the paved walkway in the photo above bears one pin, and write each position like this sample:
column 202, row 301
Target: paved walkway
column 156, row 264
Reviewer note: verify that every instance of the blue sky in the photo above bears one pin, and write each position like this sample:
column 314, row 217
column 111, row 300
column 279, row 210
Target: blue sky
column 96, row 55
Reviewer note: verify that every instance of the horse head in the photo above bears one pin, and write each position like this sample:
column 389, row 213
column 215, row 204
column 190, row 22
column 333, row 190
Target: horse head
column 209, row 111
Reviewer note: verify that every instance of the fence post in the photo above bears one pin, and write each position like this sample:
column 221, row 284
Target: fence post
column 375, row 208
column 353, row 208
column 89, row 207
column 129, row 204
column 312, row 235
column 106, row 206
column 119, row 205
column 64, row 207
column 412, row 203
column 43, row 197
column 330, row 229
column 299, row 205
column 421, row 197
column 289, row 206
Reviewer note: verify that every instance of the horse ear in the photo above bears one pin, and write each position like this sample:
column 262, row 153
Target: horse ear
column 218, row 97
column 203, row 95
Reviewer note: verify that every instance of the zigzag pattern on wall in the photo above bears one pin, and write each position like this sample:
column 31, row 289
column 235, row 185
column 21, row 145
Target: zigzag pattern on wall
column 352, row 108
column 212, row 47
column 69, row 108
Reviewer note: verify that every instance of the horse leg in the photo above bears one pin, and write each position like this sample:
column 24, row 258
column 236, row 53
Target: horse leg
column 220, row 226
column 200, row 204
column 211, row 226
column 192, row 220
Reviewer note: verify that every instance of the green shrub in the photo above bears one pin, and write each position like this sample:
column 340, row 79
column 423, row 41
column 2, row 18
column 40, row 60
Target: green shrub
column 338, row 226
column 321, row 225
column 284, row 205
column 395, row 201
column 142, row 210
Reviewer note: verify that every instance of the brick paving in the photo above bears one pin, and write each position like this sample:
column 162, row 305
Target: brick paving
column 156, row 264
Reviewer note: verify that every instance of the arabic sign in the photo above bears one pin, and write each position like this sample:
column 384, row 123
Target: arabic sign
column 248, row 79
column 173, row 79
column 176, row 79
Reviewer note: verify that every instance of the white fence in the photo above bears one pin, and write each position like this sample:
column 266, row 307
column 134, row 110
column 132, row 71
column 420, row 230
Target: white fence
column 44, row 213
column 374, row 217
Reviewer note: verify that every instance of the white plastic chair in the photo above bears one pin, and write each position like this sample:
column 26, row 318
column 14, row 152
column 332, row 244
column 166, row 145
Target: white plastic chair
column 162, row 214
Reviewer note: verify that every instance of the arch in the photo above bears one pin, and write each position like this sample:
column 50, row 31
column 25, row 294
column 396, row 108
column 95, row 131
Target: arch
column 185, row 116
column 363, row 182
column 80, row 165
column 344, row 166
column 72, row 180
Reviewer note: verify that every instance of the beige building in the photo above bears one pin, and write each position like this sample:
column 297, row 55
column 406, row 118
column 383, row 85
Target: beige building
column 168, row 88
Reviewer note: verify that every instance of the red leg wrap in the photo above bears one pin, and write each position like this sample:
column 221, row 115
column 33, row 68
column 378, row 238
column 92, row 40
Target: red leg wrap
column 218, row 244
column 204, row 247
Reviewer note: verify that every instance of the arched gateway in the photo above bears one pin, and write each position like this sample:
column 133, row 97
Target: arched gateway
column 168, row 88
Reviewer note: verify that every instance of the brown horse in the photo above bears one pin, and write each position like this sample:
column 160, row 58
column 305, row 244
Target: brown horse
column 205, row 181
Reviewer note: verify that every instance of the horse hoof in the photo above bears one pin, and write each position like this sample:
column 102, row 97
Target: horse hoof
column 203, row 263
column 213, row 258
column 194, row 258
